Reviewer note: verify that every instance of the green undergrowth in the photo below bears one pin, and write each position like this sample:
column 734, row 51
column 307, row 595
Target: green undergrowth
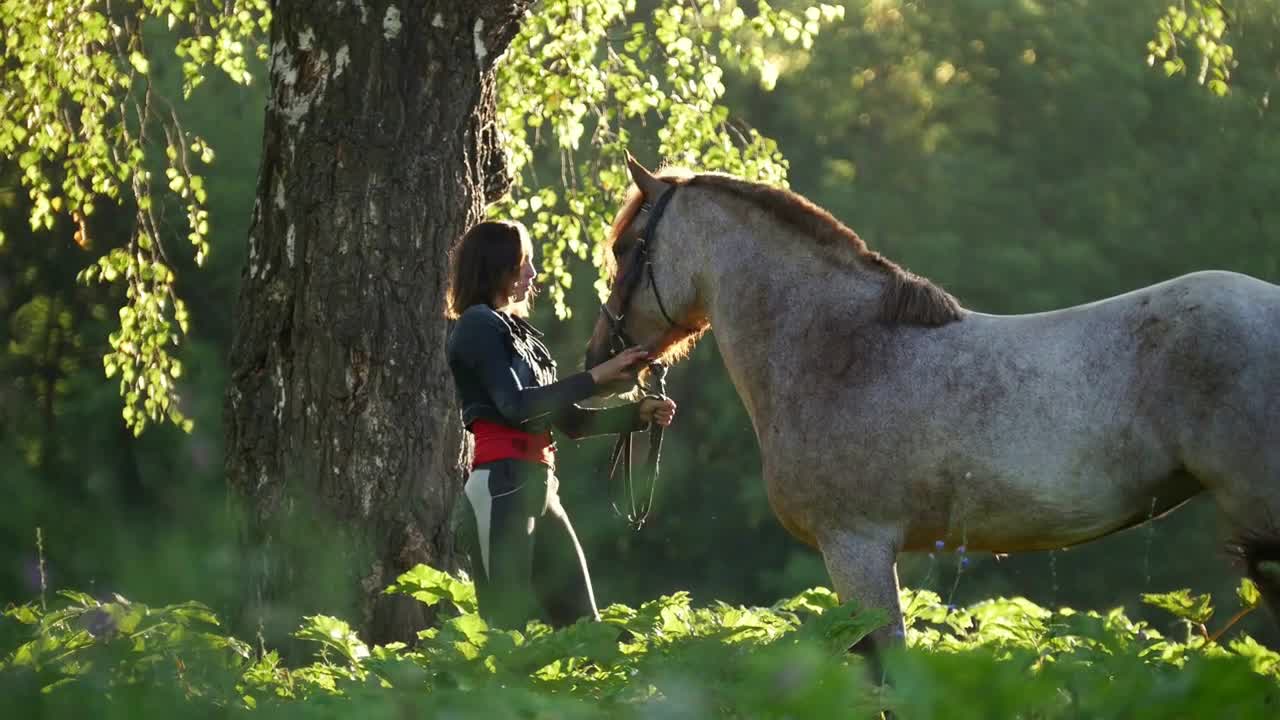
column 1004, row 657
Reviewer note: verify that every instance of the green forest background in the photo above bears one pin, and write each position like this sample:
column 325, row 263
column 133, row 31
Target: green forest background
column 1020, row 154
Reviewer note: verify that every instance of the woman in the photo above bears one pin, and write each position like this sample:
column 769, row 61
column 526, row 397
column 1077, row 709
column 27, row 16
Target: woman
column 514, row 526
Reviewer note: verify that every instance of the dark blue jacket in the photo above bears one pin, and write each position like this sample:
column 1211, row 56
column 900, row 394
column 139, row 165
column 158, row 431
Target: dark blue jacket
column 504, row 373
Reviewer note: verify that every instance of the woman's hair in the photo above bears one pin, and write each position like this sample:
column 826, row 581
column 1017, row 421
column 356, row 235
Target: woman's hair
column 483, row 263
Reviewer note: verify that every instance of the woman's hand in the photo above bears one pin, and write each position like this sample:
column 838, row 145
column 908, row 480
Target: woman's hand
column 617, row 367
column 661, row 410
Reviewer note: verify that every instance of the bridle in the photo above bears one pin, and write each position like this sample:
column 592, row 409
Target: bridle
column 619, row 340
column 640, row 267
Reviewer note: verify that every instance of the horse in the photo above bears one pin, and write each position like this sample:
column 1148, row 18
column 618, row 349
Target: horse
column 889, row 417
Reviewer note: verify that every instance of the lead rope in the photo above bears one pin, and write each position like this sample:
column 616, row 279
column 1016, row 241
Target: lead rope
column 638, row 514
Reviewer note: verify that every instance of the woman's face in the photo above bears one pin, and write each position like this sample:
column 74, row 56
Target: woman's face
column 523, row 282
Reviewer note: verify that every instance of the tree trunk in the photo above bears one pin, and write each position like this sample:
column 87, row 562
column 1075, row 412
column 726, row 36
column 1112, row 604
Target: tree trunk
column 343, row 436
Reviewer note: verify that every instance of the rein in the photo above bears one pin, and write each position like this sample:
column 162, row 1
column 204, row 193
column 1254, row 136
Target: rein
column 619, row 340
column 621, row 455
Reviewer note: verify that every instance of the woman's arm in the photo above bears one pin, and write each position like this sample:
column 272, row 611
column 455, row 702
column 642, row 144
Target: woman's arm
column 579, row 422
column 478, row 344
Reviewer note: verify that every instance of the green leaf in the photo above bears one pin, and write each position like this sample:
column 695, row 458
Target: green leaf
column 25, row 614
column 814, row 601
column 1248, row 593
column 1181, row 603
column 430, row 586
column 139, row 62
column 335, row 634
column 840, row 628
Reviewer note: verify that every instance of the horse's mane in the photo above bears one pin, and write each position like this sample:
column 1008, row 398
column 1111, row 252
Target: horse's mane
column 907, row 298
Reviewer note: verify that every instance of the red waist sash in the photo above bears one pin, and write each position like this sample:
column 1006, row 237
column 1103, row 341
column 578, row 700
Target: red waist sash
column 499, row 442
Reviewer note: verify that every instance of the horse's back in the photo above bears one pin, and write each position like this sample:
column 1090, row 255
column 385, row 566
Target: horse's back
column 1234, row 294
column 1048, row 429
column 1218, row 335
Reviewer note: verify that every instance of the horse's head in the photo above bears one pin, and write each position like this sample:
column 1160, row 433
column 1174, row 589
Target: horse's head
column 653, row 299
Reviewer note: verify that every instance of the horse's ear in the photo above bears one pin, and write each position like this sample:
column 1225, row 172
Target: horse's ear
column 651, row 186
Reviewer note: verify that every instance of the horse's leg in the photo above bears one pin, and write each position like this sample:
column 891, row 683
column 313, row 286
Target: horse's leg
column 1262, row 563
column 1248, row 497
column 863, row 567
column 1256, row 539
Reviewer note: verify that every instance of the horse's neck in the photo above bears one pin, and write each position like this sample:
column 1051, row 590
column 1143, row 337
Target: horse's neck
column 775, row 309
